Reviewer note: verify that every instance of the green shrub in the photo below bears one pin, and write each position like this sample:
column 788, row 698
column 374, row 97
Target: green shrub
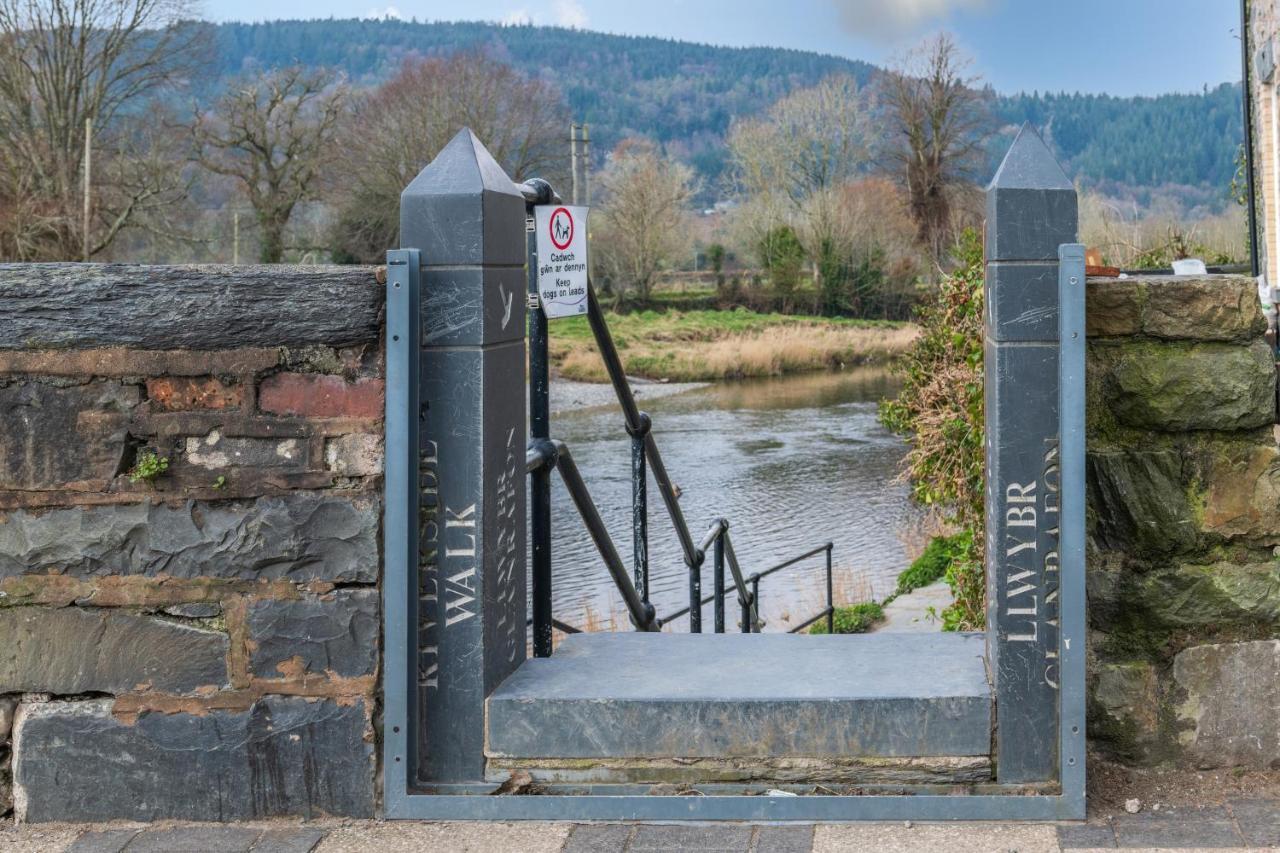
column 856, row 619
column 940, row 411
column 148, row 467
column 934, row 563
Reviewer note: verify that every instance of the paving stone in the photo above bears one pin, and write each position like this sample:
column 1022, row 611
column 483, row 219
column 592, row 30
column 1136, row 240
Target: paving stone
column 195, row 839
column 337, row 633
column 80, row 651
column 299, row 840
column 1259, row 821
column 299, row 537
column 282, row 757
column 713, row 838
column 783, row 839
column 958, row 837
column 599, row 838
column 102, row 841
column 1091, row 836
column 1207, row 827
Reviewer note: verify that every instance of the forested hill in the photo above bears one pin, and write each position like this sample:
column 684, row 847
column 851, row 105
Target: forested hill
column 685, row 95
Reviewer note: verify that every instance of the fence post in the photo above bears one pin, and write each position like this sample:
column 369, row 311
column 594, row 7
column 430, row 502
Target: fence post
column 1031, row 210
column 466, row 218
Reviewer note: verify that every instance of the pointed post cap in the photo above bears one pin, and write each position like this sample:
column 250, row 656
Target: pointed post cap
column 463, row 209
column 1031, row 203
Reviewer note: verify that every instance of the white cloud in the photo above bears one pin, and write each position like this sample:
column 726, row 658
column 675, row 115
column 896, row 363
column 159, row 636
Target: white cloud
column 896, row 17
column 517, row 18
column 569, row 13
column 389, row 13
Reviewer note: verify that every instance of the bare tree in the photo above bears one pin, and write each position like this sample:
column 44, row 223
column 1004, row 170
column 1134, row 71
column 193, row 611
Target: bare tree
column 939, row 121
column 643, row 222
column 273, row 137
column 397, row 129
column 63, row 63
column 792, row 162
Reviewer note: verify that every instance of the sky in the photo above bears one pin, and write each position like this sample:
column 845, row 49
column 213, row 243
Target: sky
column 1122, row 47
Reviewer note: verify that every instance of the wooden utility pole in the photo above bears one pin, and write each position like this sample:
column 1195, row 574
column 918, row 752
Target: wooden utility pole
column 235, row 237
column 586, row 164
column 88, row 175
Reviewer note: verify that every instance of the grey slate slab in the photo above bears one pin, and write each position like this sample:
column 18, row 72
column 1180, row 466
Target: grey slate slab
column 1207, row 827
column 195, row 839
column 759, row 695
column 298, row 840
column 1259, row 821
column 713, row 838
column 102, row 841
column 783, row 839
column 599, row 838
column 1091, row 836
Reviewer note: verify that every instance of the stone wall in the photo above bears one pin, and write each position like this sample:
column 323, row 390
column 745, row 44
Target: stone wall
column 204, row 644
column 1184, row 522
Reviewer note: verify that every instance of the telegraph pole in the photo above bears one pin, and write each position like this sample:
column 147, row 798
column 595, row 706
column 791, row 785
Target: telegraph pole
column 586, row 166
column 88, row 174
column 573, row 158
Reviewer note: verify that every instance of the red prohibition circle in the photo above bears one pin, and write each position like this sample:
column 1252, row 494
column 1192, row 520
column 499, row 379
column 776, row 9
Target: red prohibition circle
column 551, row 227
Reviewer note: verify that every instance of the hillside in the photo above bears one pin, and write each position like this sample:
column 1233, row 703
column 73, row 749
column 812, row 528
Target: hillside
column 685, row 95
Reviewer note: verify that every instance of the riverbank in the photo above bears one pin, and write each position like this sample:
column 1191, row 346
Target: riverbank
column 691, row 346
column 568, row 395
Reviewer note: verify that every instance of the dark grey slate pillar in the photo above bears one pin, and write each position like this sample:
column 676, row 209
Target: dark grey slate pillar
column 467, row 218
column 1031, row 210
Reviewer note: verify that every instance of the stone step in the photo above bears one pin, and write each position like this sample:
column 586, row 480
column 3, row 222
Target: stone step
column 759, row 701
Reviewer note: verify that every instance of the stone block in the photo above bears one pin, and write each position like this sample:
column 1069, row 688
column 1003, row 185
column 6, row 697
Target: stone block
column 1114, row 306
column 354, row 455
column 70, row 650
column 336, row 634
column 1139, row 503
column 216, row 451
column 282, row 757
column 177, row 393
column 298, row 537
column 1203, row 308
column 1232, row 704
column 317, row 395
column 1176, row 388
column 54, row 436
column 1242, row 497
column 1125, row 709
column 1205, row 596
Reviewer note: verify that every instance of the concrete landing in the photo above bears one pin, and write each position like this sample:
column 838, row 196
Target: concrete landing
column 734, row 696
column 910, row 613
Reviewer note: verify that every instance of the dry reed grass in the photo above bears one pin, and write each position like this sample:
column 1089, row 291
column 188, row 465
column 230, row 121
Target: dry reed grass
column 771, row 351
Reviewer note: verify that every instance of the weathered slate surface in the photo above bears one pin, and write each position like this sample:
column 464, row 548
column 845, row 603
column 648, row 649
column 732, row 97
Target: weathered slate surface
column 284, row 756
column 630, row 695
column 299, row 537
column 51, row 306
column 337, row 634
column 67, row 650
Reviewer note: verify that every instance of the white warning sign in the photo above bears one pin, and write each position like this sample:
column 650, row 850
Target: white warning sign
column 562, row 259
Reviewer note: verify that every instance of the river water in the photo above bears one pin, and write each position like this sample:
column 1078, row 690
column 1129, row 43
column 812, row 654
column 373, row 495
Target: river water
column 791, row 462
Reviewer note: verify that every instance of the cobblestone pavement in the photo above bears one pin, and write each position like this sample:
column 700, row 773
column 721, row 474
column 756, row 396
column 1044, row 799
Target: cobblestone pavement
column 1238, row 825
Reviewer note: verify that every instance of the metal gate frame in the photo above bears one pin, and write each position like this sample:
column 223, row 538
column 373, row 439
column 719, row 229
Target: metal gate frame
column 401, row 506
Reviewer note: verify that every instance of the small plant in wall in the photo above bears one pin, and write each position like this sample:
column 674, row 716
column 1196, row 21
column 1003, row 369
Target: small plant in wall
column 148, row 467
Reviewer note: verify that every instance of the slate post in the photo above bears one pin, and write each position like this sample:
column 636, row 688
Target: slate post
column 466, row 217
column 1031, row 210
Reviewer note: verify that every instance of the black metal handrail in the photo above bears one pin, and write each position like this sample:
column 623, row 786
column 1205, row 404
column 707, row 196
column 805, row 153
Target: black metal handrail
column 545, row 454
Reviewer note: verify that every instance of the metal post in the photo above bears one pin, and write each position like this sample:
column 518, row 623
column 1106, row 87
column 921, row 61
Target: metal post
column 753, row 628
column 467, row 218
column 539, row 429
column 1031, row 211
column 718, row 580
column 586, row 164
column 640, row 508
column 1247, row 99
column 88, row 181
column 831, row 604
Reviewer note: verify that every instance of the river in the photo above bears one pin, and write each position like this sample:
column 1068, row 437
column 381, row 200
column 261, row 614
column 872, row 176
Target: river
column 791, row 462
